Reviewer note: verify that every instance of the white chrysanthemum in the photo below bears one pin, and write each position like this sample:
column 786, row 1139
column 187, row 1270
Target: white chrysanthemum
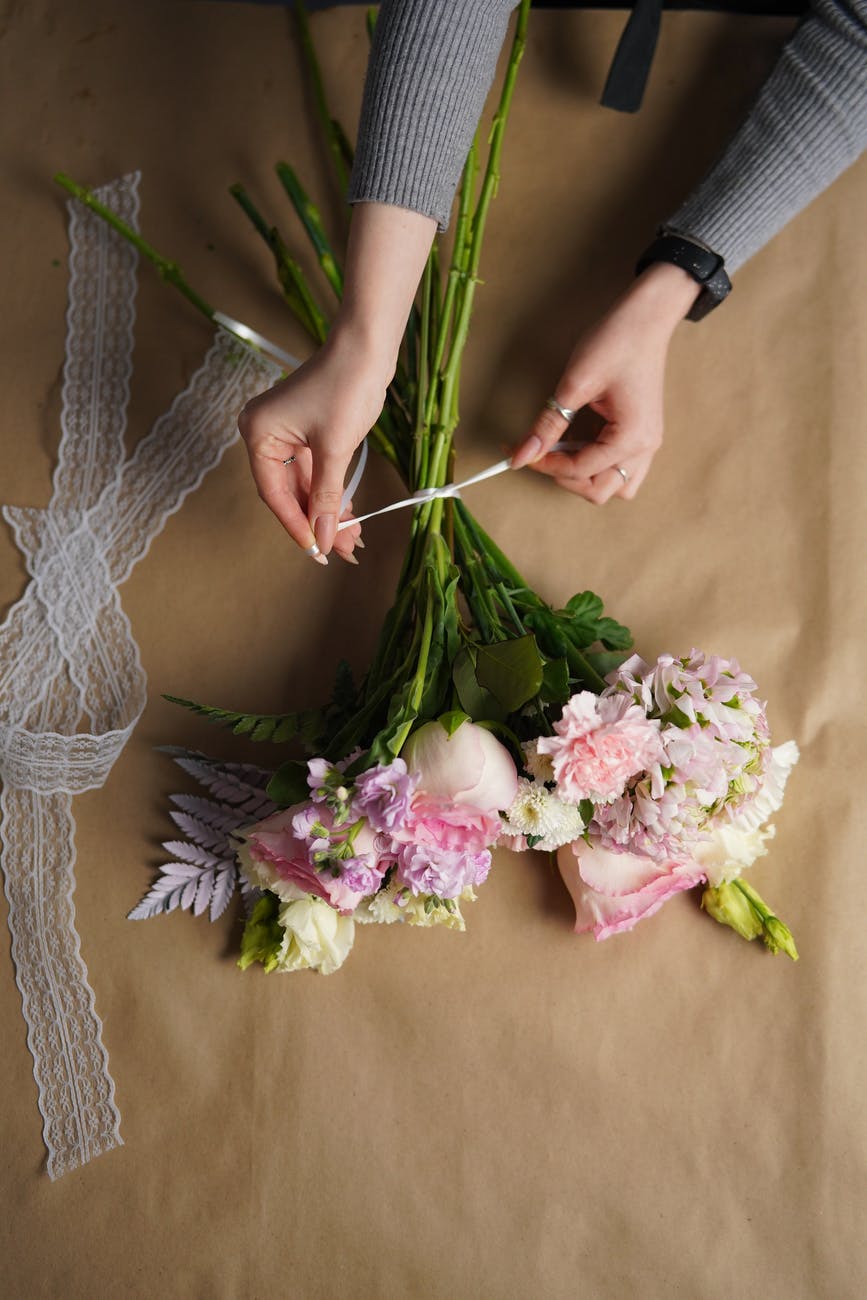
column 538, row 765
column 538, row 812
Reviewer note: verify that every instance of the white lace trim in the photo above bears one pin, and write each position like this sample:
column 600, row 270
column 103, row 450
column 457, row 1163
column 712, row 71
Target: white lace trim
column 66, row 649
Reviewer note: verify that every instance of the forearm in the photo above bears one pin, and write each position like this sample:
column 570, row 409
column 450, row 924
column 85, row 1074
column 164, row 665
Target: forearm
column 808, row 124
column 431, row 66
column 388, row 248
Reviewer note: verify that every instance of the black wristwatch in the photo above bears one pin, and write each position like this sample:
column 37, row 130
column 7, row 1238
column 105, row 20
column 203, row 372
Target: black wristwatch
column 702, row 263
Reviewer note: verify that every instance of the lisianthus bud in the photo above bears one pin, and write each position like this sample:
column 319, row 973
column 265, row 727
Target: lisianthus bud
column 778, row 938
column 470, row 766
column 728, row 904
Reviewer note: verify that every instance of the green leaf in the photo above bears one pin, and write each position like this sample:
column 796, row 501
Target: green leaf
column 585, row 605
column 613, row 635
column 605, row 661
column 586, row 810
column 533, row 840
column 451, row 721
column 263, row 934
column 585, row 623
column 477, row 702
column 555, row 681
column 511, row 670
column 288, row 785
column 275, row 727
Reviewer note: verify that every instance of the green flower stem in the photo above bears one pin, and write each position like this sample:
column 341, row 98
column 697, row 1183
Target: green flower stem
column 311, row 220
column 296, row 291
column 167, row 270
column 448, row 386
column 335, row 137
column 459, row 254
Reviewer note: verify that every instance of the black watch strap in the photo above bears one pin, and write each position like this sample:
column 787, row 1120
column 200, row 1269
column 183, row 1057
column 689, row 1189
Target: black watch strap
column 705, row 266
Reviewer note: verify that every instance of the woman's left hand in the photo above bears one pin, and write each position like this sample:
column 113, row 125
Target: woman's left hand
column 618, row 371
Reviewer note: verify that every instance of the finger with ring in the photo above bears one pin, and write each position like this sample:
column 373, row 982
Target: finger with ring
column 566, row 411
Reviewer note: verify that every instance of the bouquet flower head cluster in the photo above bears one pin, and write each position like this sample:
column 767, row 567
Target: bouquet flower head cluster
column 395, row 843
column 487, row 716
column 671, row 769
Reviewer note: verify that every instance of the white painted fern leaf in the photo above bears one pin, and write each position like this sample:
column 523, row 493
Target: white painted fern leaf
column 204, row 873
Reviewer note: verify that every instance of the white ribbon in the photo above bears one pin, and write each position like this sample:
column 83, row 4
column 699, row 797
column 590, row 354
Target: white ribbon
column 430, row 494
column 67, row 648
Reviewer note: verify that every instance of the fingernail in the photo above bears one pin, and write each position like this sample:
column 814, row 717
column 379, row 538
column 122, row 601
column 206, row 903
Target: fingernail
column 320, row 559
column 325, row 531
column 360, row 544
column 531, row 450
column 350, row 559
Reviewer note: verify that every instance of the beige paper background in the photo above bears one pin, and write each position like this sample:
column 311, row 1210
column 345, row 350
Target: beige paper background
column 515, row 1112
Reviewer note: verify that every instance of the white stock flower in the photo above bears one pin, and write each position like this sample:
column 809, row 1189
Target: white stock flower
column 736, row 843
column 383, row 909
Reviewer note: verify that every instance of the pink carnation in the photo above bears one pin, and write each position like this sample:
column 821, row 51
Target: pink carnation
column 601, row 743
column 612, row 892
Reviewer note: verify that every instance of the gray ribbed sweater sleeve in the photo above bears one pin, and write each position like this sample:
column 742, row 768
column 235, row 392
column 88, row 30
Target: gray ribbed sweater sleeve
column 433, row 61
column 808, row 124
column 431, row 67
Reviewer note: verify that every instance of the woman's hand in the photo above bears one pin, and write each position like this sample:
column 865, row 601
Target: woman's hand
column 617, row 370
column 320, row 414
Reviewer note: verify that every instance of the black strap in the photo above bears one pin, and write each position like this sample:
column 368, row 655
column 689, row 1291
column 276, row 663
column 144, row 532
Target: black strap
column 624, row 89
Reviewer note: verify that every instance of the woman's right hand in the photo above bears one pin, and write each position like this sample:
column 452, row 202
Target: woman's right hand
column 318, row 415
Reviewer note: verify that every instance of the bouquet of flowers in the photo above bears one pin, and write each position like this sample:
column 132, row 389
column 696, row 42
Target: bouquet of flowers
column 487, row 717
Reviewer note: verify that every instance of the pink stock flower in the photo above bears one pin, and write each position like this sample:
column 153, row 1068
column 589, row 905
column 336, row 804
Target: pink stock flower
column 612, row 892
column 383, row 795
column 601, row 743
column 428, row 869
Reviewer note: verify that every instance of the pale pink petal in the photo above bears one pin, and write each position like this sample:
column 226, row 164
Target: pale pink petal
column 606, row 914
column 616, row 874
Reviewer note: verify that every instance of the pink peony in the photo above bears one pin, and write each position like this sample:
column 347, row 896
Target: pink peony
column 612, row 892
column 601, row 743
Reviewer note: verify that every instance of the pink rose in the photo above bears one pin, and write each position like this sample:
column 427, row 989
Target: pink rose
column 612, row 892
column 600, row 744
column 441, row 824
column 276, row 846
column 469, row 766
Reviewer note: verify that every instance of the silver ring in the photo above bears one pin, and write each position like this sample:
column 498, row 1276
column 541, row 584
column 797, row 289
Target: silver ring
column 290, row 460
column 567, row 413
column 312, row 550
column 622, row 472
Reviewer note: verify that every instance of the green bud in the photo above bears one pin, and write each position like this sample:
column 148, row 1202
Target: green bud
column 778, row 938
column 728, row 905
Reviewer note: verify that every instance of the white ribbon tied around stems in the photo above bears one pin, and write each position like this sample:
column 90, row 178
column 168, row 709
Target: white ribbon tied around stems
column 67, row 650
column 262, row 344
